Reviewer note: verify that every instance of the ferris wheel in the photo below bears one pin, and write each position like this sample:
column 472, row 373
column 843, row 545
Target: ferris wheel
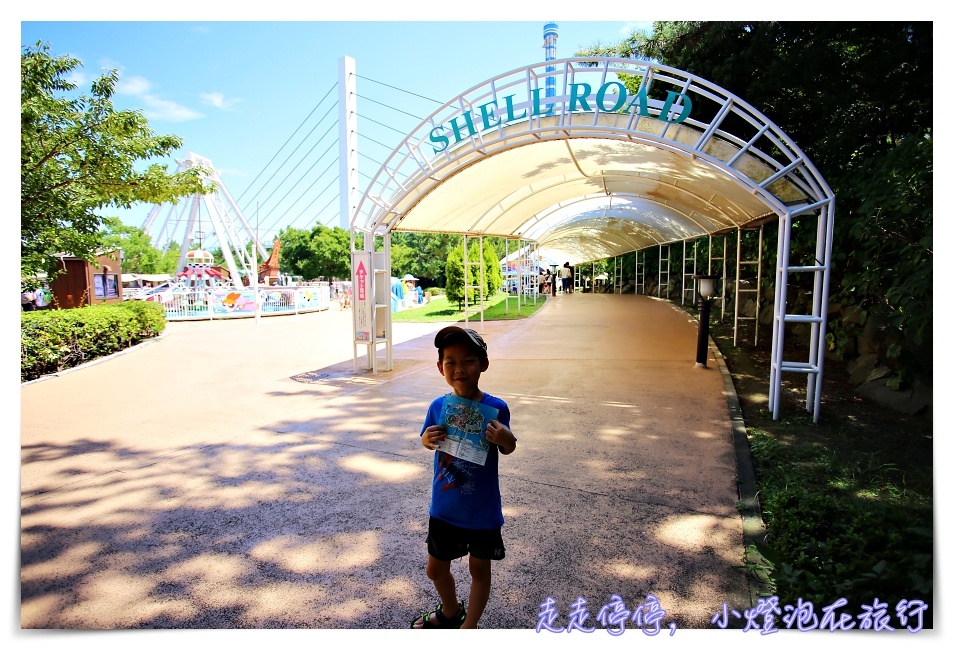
column 206, row 221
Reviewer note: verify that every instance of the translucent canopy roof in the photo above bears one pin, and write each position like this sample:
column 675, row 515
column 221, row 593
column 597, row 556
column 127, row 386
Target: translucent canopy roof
column 566, row 156
column 585, row 183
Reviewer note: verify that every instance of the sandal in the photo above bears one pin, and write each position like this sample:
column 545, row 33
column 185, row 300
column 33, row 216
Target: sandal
column 445, row 623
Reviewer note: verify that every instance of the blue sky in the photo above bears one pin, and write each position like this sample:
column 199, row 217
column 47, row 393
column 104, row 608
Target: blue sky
column 247, row 92
column 237, row 91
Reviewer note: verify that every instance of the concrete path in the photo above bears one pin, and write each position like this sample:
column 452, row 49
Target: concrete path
column 237, row 474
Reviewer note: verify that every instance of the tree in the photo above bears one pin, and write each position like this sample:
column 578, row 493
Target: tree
column 454, row 269
column 423, row 255
column 856, row 98
column 139, row 255
column 78, row 155
column 493, row 276
column 322, row 252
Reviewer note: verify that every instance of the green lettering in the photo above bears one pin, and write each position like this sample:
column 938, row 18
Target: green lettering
column 686, row 107
column 643, row 103
column 536, row 103
column 575, row 96
column 620, row 96
column 486, row 115
column 438, row 138
column 458, row 136
column 510, row 116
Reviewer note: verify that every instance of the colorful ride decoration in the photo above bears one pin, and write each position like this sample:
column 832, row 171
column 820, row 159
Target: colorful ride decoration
column 268, row 273
column 199, row 272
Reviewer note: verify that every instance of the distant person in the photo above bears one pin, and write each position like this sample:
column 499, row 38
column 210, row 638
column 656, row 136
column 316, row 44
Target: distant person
column 28, row 299
column 43, row 298
column 542, row 280
column 465, row 514
column 565, row 277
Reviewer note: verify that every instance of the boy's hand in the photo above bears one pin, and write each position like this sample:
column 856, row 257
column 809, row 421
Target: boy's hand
column 501, row 435
column 433, row 435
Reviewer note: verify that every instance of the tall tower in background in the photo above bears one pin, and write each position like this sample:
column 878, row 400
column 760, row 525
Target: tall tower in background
column 550, row 34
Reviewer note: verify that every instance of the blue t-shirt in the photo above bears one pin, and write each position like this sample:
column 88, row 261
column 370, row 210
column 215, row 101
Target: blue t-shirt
column 466, row 494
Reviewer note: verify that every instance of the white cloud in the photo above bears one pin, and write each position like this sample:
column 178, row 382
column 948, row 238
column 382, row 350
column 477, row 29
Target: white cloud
column 133, row 86
column 157, row 108
column 109, row 64
column 154, row 107
column 219, row 100
column 77, row 77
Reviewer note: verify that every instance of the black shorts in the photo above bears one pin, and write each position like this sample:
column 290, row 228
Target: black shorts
column 448, row 542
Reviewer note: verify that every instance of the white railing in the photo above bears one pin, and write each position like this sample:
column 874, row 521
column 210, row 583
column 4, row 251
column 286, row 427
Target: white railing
column 240, row 303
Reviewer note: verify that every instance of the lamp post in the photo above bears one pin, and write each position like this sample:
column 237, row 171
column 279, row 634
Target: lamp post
column 707, row 289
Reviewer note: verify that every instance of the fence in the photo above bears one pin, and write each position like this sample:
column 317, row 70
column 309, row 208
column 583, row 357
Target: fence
column 240, row 303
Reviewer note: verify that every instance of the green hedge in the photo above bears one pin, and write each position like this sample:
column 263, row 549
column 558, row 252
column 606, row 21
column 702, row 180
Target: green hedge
column 57, row 339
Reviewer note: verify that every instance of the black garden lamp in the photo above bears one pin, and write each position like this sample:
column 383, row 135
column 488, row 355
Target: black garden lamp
column 707, row 290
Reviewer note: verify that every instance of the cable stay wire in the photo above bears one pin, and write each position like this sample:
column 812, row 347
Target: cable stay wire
column 317, row 178
column 286, row 143
column 430, row 99
column 274, row 224
column 292, row 153
column 388, row 147
column 374, row 101
column 327, row 222
column 387, row 126
column 365, row 156
column 317, row 196
column 288, row 175
column 334, row 214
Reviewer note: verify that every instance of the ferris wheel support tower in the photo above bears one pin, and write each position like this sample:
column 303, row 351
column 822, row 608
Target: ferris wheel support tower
column 229, row 228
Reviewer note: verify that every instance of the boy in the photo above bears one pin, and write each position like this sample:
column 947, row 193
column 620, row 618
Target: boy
column 465, row 513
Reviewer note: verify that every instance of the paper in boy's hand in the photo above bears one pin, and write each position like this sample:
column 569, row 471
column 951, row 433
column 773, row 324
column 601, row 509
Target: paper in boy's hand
column 466, row 422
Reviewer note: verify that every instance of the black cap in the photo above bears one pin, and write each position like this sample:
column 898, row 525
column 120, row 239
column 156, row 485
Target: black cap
column 453, row 334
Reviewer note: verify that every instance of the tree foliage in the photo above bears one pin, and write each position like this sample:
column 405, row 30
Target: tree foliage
column 423, row 255
column 493, row 275
column 78, row 154
column 139, row 255
column 322, row 252
column 454, row 270
column 856, row 98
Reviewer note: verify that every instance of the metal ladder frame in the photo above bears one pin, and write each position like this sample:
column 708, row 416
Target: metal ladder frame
column 721, row 297
column 659, row 283
column 480, row 275
column 817, row 318
column 689, row 287
column 739, row 263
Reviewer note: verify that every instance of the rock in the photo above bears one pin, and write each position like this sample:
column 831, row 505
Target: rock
column 910, row 401
column 859, row 368
column 881, row 372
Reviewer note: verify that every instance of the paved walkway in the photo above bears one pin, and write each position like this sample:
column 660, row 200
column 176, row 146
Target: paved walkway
column 236, row 474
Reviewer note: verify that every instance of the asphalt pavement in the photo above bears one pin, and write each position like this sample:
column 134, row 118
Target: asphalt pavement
column 241, row 474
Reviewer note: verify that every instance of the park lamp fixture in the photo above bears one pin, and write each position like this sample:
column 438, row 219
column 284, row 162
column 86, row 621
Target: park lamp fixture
column 707, row 286
column 707, row 291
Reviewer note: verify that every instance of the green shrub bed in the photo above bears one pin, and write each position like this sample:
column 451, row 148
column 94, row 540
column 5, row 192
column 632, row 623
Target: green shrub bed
column 56, row 339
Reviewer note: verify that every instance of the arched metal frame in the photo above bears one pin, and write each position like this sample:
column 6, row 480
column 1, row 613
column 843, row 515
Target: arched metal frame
column 599, row 171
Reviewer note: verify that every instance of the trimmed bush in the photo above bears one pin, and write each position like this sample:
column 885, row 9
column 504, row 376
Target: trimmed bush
column 57, row 339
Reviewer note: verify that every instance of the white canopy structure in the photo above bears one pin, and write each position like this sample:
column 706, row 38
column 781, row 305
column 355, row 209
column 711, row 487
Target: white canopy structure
column 593, row 172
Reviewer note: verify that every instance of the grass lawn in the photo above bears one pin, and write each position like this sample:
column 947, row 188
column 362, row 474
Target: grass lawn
column 847, row 501
column 495, row 308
